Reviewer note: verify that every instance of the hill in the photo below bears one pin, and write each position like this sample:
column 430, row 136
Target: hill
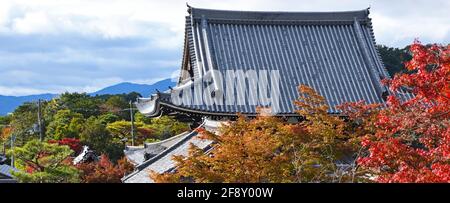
column 9, row 103
column 143, row 89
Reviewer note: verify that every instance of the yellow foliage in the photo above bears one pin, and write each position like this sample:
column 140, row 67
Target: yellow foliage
column 268, row 149
column 5, row 133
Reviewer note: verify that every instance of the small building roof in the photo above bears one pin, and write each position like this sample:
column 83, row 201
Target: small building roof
column 135, row 154
column 5, row 171
column 139, row 154
column 2, row 158
column 163, row 162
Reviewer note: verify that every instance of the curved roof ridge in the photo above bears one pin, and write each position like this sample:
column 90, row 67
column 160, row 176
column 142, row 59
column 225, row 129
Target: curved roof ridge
column 280, row 15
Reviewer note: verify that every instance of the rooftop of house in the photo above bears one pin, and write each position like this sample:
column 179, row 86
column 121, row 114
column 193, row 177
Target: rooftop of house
column 5, row 171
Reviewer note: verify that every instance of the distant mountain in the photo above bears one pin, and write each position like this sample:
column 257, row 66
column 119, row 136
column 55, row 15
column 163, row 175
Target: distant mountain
column 143, row 89
column 9, row 103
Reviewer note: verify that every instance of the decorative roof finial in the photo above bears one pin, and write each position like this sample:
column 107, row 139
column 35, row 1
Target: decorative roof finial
column 189, row 7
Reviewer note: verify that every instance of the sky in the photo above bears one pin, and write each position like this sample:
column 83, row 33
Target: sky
column 53, row 46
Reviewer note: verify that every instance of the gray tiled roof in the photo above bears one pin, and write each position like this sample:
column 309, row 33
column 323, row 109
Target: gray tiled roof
column 2, row 158
column 333, row 52
column 135, row 154
column 138, row 154
column 163, row 162
column 5, row 170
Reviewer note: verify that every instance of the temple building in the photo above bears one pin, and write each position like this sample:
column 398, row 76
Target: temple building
column 235, row 62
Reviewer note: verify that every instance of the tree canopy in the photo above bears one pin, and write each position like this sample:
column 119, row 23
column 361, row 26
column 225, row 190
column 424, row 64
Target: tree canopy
column 42, row 162
column 411, row 140
column 268, row 149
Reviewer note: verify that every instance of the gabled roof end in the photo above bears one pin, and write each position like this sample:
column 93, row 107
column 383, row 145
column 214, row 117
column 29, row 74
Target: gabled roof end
column 189, row 7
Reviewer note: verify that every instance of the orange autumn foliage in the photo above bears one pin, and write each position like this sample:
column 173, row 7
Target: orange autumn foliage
column 267, row 149
column 5, row 133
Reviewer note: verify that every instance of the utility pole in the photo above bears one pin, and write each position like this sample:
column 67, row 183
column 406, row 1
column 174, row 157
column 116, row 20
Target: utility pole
column 13, row 138
column 41, row 137
column 132, row 123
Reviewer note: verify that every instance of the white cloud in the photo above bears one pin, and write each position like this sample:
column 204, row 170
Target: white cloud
column 33, row 22
column 19, row 90
column 394, row 20
column 108, row 19
column 54, row 45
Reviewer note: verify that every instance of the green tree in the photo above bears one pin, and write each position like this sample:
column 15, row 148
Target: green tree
column 23, row 119
column 108, row 118
column 122, row 130
column 65, row 124
column 139, row 117
column 5, row 120
column 80, row 103
column 394, row 58
column 132, row 96
column 116, row 104
column 166, row 126
column 41, row 162
column 158, row 129
column 100, row 139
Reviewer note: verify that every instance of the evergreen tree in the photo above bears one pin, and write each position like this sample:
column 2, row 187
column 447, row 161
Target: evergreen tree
column 42, row 162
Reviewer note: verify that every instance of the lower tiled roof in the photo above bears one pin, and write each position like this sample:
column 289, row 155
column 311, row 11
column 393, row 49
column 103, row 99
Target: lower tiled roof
column 163, row 162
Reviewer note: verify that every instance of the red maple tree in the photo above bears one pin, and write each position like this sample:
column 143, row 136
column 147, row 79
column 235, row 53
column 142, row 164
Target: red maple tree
column 73, row 143
column 104, row 171
column 411, row 138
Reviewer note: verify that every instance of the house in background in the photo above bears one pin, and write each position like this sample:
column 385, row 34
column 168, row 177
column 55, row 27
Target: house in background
column 333, row 52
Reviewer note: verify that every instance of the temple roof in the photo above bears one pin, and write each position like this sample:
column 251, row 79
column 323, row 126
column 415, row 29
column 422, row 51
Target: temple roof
column 333, row 52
